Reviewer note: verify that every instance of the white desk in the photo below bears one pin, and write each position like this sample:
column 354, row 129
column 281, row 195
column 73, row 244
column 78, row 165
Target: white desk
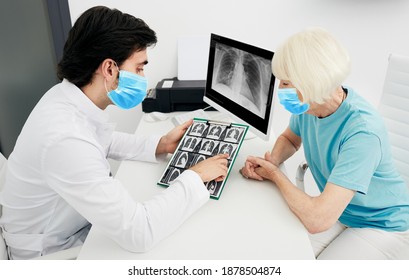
column 250, row 220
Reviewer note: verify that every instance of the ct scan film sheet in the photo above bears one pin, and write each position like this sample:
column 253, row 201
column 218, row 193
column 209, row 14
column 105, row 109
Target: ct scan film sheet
column 202, row 140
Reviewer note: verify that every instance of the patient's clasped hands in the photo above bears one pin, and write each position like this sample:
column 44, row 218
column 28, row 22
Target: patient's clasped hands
column 258, row 168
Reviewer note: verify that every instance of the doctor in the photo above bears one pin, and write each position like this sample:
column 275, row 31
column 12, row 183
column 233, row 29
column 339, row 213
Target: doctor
column 58, row 182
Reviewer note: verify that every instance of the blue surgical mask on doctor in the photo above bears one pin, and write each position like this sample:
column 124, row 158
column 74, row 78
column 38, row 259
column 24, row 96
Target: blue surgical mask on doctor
column 131, row 90
column 289, row 99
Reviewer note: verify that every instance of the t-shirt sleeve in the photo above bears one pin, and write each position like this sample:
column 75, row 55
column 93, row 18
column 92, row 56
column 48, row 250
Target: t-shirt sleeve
column 295, row 125
column 357, row 161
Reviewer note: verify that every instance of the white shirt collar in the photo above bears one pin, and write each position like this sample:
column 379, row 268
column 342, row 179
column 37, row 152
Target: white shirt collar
column 95, row 115
column 83, row 103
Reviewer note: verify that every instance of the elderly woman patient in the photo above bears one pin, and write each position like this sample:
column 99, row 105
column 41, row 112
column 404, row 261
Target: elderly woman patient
column 362, row 211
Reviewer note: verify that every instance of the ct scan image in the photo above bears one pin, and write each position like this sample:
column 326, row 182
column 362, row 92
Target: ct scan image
column 209, row 147
column 170, row 175
column 198, row 158
column 202, row 140
column 215, row 131
column 191, row 144
column 234, row 134
column 228, row 148
column 183, row 159
column 214, row 187
column 198, row 129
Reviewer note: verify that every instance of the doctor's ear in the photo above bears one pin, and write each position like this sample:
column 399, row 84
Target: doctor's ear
column 109, row 68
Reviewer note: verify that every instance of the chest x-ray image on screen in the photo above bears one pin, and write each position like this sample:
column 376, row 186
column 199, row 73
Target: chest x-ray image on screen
column 242, row 77
column 240, row 82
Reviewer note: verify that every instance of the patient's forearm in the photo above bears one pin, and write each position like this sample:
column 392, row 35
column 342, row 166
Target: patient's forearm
column 282, row 150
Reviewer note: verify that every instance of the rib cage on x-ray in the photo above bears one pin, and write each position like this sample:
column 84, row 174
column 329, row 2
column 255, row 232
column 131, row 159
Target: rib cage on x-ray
column 253, row 76
column 227, row 67
column 242, row 77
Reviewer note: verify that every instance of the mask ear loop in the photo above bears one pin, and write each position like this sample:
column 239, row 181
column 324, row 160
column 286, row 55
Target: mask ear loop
column 105, row 85
column 105, row 80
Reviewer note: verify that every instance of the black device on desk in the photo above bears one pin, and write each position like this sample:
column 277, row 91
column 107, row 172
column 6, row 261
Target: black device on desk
column 175, row 95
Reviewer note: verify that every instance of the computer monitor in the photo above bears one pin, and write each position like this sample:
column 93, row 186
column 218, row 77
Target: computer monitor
column 240, row 83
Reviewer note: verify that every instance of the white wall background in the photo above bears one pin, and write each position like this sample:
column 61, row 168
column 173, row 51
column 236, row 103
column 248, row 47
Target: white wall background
column 370, row 30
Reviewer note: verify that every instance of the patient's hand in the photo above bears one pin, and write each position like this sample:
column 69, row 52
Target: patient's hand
column 259, row 168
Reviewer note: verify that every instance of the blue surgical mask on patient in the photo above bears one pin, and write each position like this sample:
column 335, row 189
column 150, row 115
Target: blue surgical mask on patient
column 131, row 90
column 289, row 99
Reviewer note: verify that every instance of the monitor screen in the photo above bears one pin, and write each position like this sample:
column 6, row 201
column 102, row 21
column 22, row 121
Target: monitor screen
column 240, row 82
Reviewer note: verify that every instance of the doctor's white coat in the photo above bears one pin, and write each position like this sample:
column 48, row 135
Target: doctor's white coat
column 59, row 182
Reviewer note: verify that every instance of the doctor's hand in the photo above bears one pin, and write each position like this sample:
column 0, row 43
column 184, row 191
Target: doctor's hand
column 259, row 168
column 169, row 142
column 214, row 168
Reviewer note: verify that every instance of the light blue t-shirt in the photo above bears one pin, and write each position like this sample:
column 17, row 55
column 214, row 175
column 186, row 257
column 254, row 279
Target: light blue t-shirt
column 350, row 148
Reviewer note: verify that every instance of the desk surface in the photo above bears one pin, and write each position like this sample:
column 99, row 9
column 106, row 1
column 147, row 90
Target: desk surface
column 251, row 220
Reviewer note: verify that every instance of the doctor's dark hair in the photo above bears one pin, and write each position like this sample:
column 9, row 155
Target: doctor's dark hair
column 101, row 33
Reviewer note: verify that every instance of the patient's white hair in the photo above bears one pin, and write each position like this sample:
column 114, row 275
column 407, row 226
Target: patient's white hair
column 314, row 62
